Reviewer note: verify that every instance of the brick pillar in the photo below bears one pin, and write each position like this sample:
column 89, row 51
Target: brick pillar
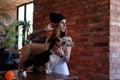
column 115, row 40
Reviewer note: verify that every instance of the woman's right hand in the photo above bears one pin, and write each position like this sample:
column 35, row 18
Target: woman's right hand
column 50, row 27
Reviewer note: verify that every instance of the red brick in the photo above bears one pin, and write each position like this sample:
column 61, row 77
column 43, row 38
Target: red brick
column 101, row 44
column 105, row 2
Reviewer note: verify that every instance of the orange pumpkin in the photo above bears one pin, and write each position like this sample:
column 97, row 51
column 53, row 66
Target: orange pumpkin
column 9, row 75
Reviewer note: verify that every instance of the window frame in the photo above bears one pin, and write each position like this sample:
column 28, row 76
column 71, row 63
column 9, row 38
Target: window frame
column 20, row 39
column 24, row 10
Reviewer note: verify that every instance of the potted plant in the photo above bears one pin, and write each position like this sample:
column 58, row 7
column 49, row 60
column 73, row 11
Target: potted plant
column 9, row 32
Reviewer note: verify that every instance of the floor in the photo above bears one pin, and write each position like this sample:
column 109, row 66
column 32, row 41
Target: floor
column 40, row 76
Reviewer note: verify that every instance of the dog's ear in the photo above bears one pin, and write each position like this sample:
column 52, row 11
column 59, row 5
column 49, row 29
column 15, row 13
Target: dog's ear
column 53, row 42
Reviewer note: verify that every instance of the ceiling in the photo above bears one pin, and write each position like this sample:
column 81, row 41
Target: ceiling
column 13, row 2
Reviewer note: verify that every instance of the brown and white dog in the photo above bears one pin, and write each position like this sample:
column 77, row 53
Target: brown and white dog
column 28, row 51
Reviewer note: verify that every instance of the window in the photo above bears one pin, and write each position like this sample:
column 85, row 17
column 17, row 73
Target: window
column 25, row 13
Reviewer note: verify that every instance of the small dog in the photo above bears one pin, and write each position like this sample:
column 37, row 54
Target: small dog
column 54, row 59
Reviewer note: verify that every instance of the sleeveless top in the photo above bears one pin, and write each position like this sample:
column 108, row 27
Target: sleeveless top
column 61, row 68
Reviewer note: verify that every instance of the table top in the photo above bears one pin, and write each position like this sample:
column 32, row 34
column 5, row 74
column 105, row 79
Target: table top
column 40, row 76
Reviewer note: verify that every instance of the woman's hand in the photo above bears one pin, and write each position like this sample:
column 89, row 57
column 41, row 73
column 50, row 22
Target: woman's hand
column 50, row 27
column 58, row 51
column 66, row 58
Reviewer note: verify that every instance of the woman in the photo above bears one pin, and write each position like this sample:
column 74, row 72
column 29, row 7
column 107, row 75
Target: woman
column 58, row 26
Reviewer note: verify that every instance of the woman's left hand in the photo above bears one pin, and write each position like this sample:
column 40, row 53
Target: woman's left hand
column 58, row 51
column 66, row 58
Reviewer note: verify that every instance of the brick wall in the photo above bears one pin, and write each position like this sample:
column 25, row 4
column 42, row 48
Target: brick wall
column 115, row 40
column 11, row 12
column 88, row 25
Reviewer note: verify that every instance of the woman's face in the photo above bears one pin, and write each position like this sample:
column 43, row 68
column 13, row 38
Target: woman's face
column 62, row 25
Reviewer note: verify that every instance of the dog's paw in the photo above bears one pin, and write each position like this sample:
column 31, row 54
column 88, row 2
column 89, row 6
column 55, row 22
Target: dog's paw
column 48, row 71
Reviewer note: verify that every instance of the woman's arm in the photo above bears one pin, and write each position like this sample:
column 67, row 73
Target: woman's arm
column 39, row 32
column 35, row 34
column 58, row 51
column 61, row 53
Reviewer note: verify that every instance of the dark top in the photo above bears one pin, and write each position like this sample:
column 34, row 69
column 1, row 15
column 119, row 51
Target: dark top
column 37, row 37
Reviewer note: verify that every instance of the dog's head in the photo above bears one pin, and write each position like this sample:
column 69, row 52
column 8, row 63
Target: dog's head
column 65, row 41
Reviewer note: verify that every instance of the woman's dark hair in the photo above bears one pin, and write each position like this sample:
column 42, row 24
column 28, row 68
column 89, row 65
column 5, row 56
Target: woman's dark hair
column 53, row 42
column 57, row 33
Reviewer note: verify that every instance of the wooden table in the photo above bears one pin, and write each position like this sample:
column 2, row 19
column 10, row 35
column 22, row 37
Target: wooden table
column 41, row 76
